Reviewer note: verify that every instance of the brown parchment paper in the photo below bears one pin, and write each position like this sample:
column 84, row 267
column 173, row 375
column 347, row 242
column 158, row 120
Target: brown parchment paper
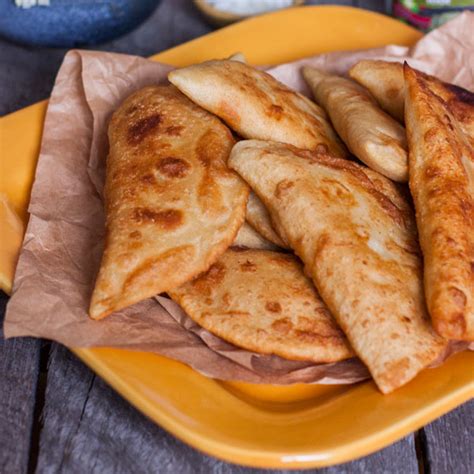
column 63, row 242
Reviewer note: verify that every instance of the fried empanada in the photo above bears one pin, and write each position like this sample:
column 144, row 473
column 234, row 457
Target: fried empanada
column 359, row 246
column 441, row 167
column 257, row 216
column 262, row 301
column 249, row 238
column 256, row 105
column 370, row 134
column 386, row 83
column 172, row 205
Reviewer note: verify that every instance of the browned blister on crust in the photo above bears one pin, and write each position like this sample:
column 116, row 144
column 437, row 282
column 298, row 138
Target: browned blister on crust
column 386, row 82
column 256, row 105
column 172, row 205
column 262, row 301
column 370, row 134
column 357, row 238
column 441, row 166
column 459, row 101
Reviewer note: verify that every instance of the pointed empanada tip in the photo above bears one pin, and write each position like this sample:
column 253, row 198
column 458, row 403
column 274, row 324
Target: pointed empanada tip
column 313, row 75
column 239, row 57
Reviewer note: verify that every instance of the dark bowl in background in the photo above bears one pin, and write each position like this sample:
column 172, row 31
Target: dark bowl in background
column 70, row 23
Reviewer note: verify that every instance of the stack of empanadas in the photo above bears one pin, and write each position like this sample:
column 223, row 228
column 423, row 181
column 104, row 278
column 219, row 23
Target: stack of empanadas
column 282, row 243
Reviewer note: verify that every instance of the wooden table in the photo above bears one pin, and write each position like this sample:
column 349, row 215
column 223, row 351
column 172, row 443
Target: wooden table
column 57, row 416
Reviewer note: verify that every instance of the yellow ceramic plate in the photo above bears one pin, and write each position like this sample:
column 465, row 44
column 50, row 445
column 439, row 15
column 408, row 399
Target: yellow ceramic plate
column 257, row 425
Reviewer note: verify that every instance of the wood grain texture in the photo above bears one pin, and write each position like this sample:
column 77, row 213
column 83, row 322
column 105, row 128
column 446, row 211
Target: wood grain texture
column 375, row 5
column 450, row 441
column 19, row 368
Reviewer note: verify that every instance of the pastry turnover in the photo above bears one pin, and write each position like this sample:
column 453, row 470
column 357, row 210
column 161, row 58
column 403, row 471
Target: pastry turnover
column 257, row 216
column 441, row 167
column 256, row 105
column 356, row 235
column 370, row 134
column 386, row 82
column 263, row 302
column 172, row 205
column 248, row 237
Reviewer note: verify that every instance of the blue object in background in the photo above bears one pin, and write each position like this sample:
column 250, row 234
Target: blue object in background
column 69, row 23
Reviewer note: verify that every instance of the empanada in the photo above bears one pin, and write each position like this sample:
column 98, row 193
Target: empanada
column 386, row 83
column 441, row 167
column 262, row 301
column 257, row 216
column 249, row 238
column 370, row 134
column 359, row 246
column 256, row 105
column 172, row 205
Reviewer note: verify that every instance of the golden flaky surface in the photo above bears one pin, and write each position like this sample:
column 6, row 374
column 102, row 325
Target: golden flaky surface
column 249, row 238
column 256, row 105
column 358, row 243
column 262, row 301
column 370, row 134
column 386, row 82
column 441, row 166
column 172, row 205
column 259, row 218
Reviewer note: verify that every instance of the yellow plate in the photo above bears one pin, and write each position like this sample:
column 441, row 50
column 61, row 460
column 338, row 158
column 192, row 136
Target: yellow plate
column 257, row 425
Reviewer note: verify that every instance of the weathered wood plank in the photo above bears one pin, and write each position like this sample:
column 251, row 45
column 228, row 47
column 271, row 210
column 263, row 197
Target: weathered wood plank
column 398, row 458
column 450, row 442
column 19, row 368
column 348, row 3
column 89, row 428
column 375, row 5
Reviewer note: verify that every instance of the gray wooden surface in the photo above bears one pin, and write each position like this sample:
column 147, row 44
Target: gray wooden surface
column 57, row 416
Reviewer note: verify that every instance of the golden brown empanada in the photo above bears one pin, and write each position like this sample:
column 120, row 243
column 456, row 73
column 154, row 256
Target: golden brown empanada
column 257, row 216
column 262, row 301
column 256, row 105
column 372, row 135
column 441, row 167
column 386, row 82
column 172, row 205
column 249, row 238
column 359, row 246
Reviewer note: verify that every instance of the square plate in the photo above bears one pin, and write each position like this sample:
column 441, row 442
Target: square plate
column 298, row 426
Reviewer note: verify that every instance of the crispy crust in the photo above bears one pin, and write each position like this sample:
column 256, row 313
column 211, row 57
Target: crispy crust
column 358, row 243
column 261, row 301
column 257, row 216
column 256, row 105
column 441, row 167
column 248, row 237
column 386, row 82
column 166, row 179
column 370, row 134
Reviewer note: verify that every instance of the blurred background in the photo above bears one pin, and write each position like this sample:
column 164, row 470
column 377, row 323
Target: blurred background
column 35, row 34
